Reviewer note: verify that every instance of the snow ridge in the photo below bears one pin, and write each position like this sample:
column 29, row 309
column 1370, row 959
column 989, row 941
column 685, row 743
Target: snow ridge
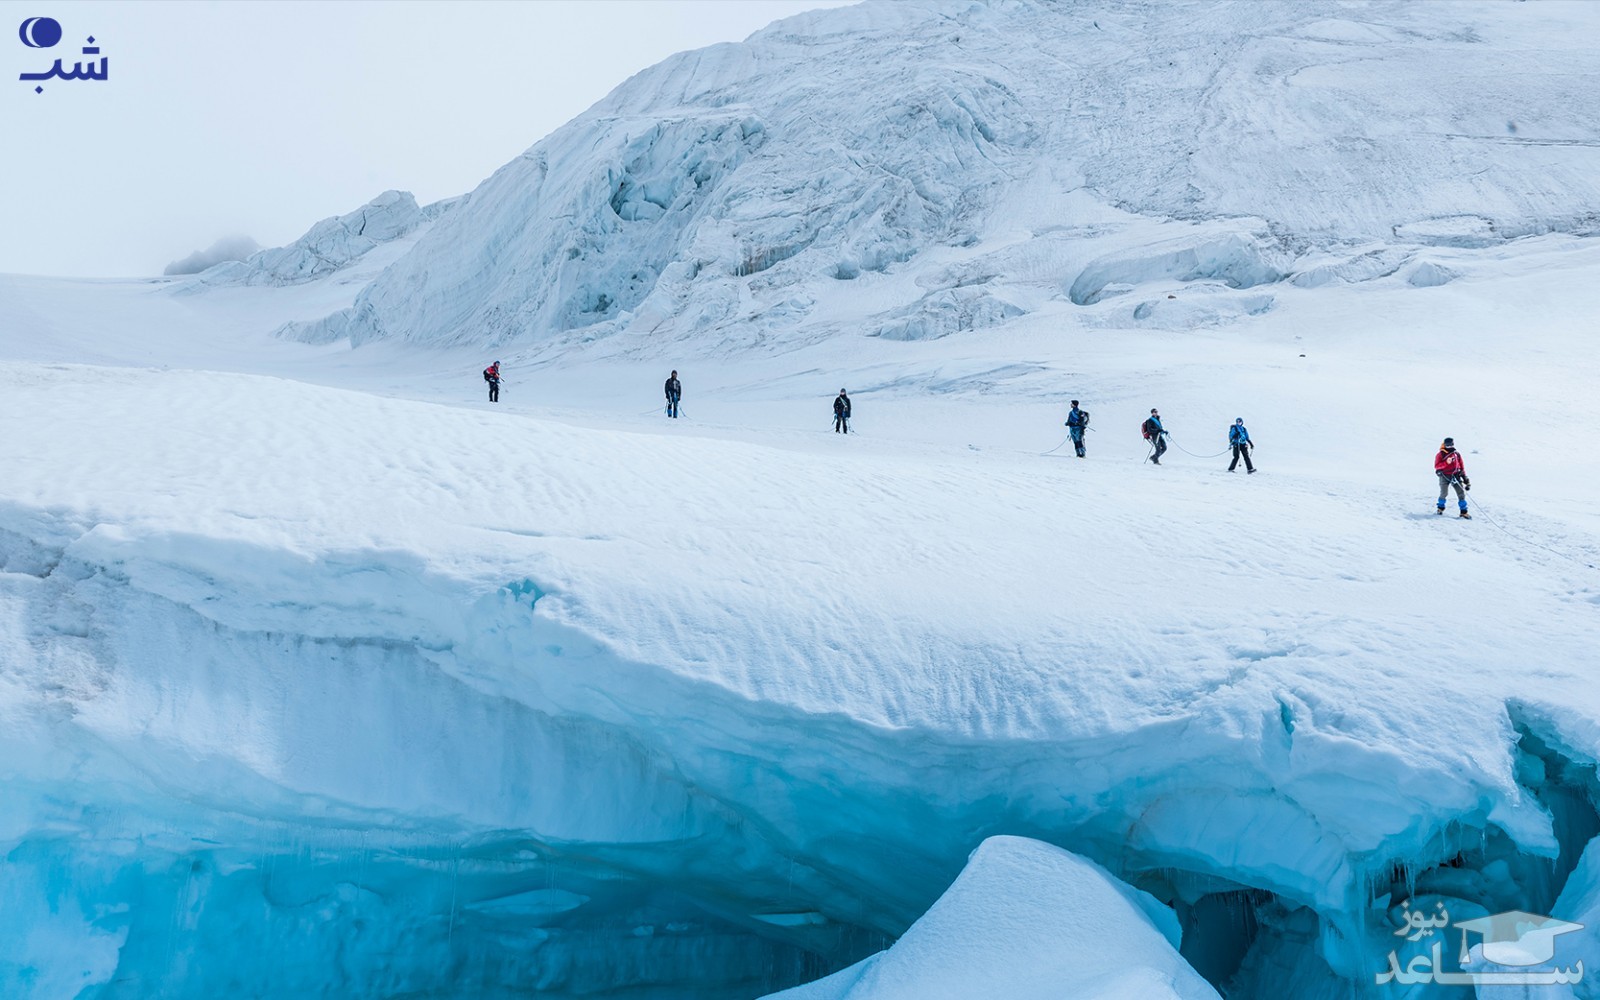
column 328, row 247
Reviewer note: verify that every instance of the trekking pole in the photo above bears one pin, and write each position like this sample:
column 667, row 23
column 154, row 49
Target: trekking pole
column 1153, row 442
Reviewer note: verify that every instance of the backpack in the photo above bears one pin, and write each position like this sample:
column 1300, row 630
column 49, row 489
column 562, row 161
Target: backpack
column 1144, row 429
column 489, row 374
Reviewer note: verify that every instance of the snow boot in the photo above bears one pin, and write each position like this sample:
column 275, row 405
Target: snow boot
column 1462, row 514
column 1438, row 510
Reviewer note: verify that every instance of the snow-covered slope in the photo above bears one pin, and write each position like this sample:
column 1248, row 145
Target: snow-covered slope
column 562, row 696
column 319, row 676
column 728, row 197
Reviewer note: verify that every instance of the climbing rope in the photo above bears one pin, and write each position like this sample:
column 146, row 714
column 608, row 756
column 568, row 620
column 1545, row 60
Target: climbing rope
column 1478, row 507
column 1057, row 448
column 1191, row 454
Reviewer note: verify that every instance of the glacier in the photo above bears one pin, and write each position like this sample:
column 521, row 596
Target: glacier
column 323, row 677
column 1229, row 141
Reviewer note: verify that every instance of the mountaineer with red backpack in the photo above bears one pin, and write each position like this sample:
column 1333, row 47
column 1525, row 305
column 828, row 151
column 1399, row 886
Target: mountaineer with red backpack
column 491, row 375
column 1156, row 435
column 1452, row 471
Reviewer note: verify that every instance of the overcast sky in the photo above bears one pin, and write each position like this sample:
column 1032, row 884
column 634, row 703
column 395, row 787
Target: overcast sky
column 223, row 118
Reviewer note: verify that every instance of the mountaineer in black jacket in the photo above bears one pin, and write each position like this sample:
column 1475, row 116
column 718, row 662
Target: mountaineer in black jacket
column 674, row 393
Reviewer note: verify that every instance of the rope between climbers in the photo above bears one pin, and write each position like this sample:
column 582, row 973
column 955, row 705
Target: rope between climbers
column 1524, row 541
column 1191, row 454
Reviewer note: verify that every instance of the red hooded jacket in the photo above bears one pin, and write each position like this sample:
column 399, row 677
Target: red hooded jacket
column 1448, row 463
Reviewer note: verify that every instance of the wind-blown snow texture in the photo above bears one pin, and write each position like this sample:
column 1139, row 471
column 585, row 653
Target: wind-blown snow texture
column 320, row 676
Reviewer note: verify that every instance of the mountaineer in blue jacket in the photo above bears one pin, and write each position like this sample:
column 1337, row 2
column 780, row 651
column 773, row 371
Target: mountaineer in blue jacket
column 1239, row 440
column 1156, row 435
column 1077, row 423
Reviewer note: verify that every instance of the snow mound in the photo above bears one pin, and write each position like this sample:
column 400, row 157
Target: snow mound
column 1237, row 260
column 1027, row 921
column 951, row 310
column 1428, row 274
column 1366, row 266
column 329, row 246
column 713, row 197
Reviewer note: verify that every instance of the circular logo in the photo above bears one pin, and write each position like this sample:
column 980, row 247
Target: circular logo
column 40, row 32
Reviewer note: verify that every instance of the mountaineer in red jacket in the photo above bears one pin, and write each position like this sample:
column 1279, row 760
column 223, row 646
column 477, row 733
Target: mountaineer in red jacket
column 1452, row 472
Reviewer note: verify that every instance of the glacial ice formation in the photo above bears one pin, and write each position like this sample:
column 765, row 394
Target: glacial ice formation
column 329, row 246
column 692, row 203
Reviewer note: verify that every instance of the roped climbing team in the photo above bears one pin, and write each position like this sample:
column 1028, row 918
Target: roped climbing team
column 1447, row 464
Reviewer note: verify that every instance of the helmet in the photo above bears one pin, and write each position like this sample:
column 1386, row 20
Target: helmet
column 1449, row 442
column 1074, row 402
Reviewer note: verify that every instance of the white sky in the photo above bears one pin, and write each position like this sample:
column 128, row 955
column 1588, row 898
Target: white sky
column 222, row 118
